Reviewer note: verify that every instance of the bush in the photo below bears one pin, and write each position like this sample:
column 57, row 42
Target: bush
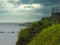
column 28, row 33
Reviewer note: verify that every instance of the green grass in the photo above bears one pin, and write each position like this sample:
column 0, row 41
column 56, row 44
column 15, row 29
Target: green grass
column 49, row 36
column 27, row 34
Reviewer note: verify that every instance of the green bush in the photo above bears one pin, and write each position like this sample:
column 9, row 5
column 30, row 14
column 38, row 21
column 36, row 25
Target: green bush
column 27, row 34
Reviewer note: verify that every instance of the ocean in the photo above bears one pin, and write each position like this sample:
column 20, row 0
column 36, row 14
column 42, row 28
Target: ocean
column 9, row 33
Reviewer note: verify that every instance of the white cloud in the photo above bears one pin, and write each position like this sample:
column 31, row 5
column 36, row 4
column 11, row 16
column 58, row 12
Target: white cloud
column 3, row 0
column 37, row 14
column 11, row 7
column 29, row 6
column 37, row 6
column 16, row 0
column 12, row 14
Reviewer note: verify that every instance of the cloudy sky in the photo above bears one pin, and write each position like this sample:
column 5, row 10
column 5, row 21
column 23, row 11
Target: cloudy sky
column 24, row 10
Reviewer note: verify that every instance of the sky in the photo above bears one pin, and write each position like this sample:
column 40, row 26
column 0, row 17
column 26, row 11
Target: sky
column 25, row 10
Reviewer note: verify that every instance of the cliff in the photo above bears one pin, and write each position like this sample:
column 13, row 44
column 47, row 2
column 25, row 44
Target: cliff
column 27, row 34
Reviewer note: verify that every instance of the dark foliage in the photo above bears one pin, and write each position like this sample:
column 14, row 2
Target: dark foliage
column 27, row 34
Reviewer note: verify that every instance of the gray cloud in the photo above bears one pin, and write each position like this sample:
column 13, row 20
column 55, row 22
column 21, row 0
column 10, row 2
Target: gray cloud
column 24, row 10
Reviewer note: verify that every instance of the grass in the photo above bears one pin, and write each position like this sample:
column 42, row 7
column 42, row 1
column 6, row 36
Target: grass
column 49, row 36
column 27, row 34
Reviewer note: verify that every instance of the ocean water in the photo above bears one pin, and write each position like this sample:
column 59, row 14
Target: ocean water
column 8, row 33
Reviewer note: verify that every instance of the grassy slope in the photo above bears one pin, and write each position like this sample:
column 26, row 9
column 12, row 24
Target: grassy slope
column 28, row 33
column 49, row 36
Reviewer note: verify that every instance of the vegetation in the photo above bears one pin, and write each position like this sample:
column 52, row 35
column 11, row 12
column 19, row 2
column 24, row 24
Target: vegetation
column 26, row 35
column 49, row 36
column 42, row 32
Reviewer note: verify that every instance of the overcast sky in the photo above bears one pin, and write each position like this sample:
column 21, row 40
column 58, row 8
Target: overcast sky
column 25, row 10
